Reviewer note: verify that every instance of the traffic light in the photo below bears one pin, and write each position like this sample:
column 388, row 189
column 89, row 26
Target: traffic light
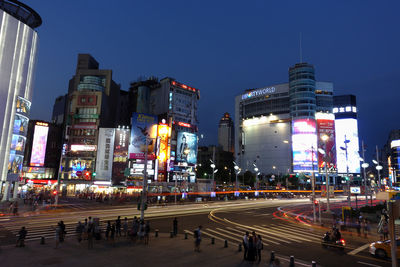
column 55, row 192
column 94, row 174
column 316, row 202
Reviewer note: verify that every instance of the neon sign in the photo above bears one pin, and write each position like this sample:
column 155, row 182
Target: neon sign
column 259, row 92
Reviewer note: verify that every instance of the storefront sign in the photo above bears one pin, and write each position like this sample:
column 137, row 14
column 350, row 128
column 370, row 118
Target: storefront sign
column 259, row 92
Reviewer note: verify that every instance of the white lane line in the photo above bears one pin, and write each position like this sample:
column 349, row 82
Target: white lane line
column 266, row 214
column 5, row 219
column 369, row 264
column 266, row 237
column 270, row 236
column 355, row 251
column 295, row 263
column 227, row 236
column 297, row 231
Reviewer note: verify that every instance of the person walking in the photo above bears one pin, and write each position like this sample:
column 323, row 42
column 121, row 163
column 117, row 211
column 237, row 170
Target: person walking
column 118, row 226
column 108, row 229
column 112, row 234
column 385, row 231
column 141, row 230
column 125, row 227
column 15, row 208
column 79, row 231
column 197, row 241
column 251, row 254
column 58, row 235
column 245, row 245
column 21, row 237
column 358, row 226
column 62, row 231
column 135, row 229
column 365, row 228
column 175, row 226
column 146, row 233
column 259, row 247
column 90, row 234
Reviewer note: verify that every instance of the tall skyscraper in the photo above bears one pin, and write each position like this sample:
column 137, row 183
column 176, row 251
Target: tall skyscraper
column 226, row 132
column 18, row 47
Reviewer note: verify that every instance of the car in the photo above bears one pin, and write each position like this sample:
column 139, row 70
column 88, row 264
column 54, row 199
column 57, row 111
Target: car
column 381, row 249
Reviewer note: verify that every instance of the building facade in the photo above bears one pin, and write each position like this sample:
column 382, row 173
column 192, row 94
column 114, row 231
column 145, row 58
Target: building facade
column 275, row 126
column 391, row 158
column 226, row 133
column 91, row 103
column 18, row 48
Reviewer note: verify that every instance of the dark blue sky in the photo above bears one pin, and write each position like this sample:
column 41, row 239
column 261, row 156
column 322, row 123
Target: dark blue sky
column 224, row 47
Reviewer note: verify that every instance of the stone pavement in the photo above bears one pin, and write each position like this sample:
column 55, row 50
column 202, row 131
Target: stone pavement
column 161, row 251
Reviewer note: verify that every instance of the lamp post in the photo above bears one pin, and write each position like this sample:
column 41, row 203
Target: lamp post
column 313, row 184
column 364, row 166
column 257, row 173
column 378, row 167
column 237, row 171
column 325, row 139
column 346, row 141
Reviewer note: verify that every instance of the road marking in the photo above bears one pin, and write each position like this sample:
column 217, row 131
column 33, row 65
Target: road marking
column 369, row 264
column 296, row 262
column 354, row 252
column 227, row 236
column 5, row 219
column 266, row 214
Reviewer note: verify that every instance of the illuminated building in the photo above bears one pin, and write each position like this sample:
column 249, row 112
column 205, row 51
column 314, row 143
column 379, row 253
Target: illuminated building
column 391, row 157
column 346, row 128
column 42, row 153
column 275, row 125
column 18, row 47
column 92, row 102
column 226, row 133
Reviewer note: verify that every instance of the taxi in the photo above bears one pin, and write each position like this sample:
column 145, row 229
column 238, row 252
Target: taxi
column 381, row 249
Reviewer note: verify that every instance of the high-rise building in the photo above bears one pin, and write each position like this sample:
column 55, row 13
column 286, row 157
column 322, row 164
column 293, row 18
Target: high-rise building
column 91, row 103
column 391, row 157
column 275, row 125
column 346, row 132
column 226, row 137
column 18, row 47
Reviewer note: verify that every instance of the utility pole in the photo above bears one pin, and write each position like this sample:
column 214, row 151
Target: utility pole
column 213, row 176
column 378, row 167
column 59, row 178
column 393, row 247
column 313, row 184
column 144, row 194
column 365, row 176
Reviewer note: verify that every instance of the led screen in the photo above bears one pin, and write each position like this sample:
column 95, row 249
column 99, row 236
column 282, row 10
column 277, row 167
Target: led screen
column 39, row 145
column 326, row 129
column 304, row 145
column 346, row 129
column 142, row 125
column 186, row 150
column 121, row 144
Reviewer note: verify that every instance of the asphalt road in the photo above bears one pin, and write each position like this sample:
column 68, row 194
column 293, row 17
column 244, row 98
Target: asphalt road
column 220, row 220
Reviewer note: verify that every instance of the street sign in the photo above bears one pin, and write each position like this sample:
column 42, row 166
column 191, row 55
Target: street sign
column 355, row 190
column 78, row 173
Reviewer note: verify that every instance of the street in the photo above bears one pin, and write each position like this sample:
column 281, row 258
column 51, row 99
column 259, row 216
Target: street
column 222, row 221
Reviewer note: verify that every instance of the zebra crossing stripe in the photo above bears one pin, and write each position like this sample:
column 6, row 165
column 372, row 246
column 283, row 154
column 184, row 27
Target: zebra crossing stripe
column 238, row 235
column 230, row 237
column 288, row 235
column 298, row 231
column 268, row 238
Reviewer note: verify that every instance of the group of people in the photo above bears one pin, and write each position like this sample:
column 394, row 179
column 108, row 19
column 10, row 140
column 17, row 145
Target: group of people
column 60, row 233
column 252, row 245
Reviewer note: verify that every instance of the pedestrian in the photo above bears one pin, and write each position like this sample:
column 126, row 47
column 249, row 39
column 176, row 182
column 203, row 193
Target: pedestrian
column 125, row 227
column 135, row 229
column 90, row 233
column 251, row 254
column 108, row 229
column 146, row 233
column 385, row 231
column 197, row 241
column 245, row 245
column 175, row 226
column 141, row 230
column 118, row 226
column 365, row 228
column 15, row 209
column 112, row 234
column 79, row 231
column 85, row 229
column 62, row 232
column 259, row 247
column 358, row 226
column 58, row 235
column 21, row 237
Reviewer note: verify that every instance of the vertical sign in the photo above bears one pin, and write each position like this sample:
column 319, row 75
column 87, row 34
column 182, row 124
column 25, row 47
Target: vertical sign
column 120, row 160
column 143, row 125
column 326, row 129
column 304, row 145
column 105, row 154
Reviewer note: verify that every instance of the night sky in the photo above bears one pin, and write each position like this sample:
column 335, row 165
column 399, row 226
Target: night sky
column 224, row 47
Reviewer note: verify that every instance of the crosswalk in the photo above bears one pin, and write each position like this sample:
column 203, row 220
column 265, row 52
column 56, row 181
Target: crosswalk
column 272, row 234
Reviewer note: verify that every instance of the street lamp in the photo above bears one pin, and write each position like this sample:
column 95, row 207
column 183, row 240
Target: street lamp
column 325, row 139
column 237, row 171
column 364, row 166
column 257, row 173
column 346, row 141
column 378, row 167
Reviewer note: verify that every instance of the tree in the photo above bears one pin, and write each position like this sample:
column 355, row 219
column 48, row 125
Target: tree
column 249, row 178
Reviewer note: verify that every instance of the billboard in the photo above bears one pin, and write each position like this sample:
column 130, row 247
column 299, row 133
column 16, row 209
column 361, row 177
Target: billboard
column 186, row 149
column 326, row 129
column 143, row 125
column 347, row 129
column 164, row 150
column 39, row 144
column 105, row 154
column 120, row 160
column 304, row 145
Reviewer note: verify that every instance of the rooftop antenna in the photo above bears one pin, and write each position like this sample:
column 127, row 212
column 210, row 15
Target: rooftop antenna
column 301, row 52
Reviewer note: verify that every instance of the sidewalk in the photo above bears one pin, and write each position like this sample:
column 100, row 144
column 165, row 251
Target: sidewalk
column 161, row 251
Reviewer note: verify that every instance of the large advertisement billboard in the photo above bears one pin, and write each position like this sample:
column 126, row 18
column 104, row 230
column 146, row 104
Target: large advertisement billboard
column 164, row 149
column 120, row 161
column 347, row 129
column 304, row 145
column 105, row 150
column 186, row 150
column 143, row 125
column 326, row 141
column 39, row 144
